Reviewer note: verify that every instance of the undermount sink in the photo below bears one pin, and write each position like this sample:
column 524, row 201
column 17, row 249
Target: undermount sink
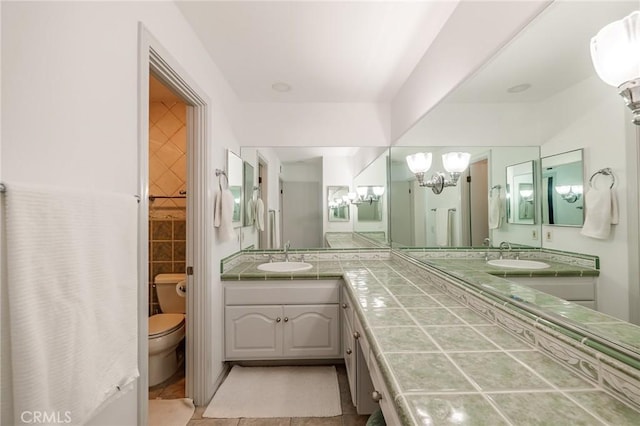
column 285, row 266
column 518, row 264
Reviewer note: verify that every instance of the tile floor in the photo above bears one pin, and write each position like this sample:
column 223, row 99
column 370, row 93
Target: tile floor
column 174, row 388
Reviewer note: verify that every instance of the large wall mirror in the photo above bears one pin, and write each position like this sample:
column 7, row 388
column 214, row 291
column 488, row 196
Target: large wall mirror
column 526, row 96
column 562, row 189
column 234, row 176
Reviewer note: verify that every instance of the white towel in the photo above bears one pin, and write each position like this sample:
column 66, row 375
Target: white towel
column 496, row 209
column 223, row 214
column 72, row 288
column 251, row 212
column 443, row 227
column 259, row 215
column 601, row 211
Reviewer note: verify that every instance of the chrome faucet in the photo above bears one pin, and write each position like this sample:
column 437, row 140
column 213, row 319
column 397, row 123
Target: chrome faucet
column 504, row 245
column 287, row 245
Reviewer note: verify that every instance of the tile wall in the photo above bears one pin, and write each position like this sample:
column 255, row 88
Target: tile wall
column 167, row 177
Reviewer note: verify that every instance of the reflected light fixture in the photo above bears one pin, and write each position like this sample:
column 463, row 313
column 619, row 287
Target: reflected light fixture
column 454, row 162
column 569, row 193
column 366, row 194
column 616, row 59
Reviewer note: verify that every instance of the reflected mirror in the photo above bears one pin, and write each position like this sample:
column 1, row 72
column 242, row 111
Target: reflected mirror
column 520, row 193
column 234, row 176
column 247, row 194
column 562, row 188
column 371, row 195
column 338, row 203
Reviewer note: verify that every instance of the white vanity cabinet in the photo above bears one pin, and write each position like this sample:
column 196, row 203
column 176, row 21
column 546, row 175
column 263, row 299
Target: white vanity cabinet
column 269, row 320
column 356, row 353
column 579, row 290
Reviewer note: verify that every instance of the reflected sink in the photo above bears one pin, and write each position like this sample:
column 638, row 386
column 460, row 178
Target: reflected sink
column 518, row 264
column 285, row 266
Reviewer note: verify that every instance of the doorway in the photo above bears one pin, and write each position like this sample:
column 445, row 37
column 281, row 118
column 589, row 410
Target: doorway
column 155, row 61
column 475, row 204
column 167, row 222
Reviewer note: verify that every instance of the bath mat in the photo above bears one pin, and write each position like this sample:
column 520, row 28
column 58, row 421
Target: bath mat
column 170, row 412
column 261, row 392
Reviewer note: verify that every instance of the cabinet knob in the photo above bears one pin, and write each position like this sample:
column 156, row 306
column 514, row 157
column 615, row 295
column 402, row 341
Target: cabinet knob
column 345, row 306
column 356, row 335
column 286, row 319
column 349, row 351
column 278, row 319
column 377, row 396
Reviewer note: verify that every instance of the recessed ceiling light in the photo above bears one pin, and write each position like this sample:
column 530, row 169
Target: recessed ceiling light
column 519, row 88
column 281, row 87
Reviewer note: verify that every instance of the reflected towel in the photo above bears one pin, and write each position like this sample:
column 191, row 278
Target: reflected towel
column 601, row 211
column 72, row 287
column 223, row 214
column 443, row 227
column 259, row 215
column 496, row 209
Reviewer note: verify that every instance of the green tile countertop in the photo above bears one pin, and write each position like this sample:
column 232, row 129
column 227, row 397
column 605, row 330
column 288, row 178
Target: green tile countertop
column 464, row 267
column 442, row 361
column 445, row 364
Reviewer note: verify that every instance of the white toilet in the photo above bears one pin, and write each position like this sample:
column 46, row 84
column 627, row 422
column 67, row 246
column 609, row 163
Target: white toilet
column 167, row 330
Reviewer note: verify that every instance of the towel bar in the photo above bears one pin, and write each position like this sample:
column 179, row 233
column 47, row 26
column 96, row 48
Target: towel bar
column 607, row 172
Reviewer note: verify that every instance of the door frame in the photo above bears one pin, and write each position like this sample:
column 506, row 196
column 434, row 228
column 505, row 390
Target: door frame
column 152, row 57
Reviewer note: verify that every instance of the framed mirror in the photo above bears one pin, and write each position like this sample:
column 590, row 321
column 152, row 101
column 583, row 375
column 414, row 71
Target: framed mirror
column 234, row 176
column 521, row 193
column 562, row 189
column 338, row 204
column 247, row 194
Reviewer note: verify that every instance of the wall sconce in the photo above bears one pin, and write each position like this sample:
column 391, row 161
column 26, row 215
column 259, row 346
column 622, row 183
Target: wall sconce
column 366, row 194
column 569, row 193
column 454, row 162
column 614, row 52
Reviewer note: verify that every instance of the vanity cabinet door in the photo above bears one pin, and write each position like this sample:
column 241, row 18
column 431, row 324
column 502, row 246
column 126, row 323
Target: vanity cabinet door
column 253, row 332
column 311, row 331
column 350, row 356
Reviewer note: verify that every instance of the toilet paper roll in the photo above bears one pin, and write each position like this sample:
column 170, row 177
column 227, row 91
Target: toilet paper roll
column 181, row 289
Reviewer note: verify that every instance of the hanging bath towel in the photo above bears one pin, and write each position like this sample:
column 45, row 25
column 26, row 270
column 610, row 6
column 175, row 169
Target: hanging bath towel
column 223, row 214
column 259, row 215
column 72, row 287
column 601, row 211
column 496, row 208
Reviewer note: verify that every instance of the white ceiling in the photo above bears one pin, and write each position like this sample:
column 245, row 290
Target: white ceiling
column 551, row 54
column 328, row 51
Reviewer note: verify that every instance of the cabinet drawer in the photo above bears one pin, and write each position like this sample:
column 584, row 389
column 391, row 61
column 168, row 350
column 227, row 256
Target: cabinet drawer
column 282, row 292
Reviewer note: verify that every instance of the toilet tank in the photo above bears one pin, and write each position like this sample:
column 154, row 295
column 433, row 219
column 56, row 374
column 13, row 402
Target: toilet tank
column 171, row 300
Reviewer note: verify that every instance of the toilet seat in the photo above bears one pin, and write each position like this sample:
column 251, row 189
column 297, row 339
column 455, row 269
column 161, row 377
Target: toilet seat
column 163, row 324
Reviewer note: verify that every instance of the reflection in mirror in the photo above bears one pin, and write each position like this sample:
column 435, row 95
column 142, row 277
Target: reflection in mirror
column 247, row 194
column 369, row 203
column 234, row 175
column 459, row 216
column 370, row 198
column 338, row 203
column 526, row 96
column 562, row 188
column 520, row 191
